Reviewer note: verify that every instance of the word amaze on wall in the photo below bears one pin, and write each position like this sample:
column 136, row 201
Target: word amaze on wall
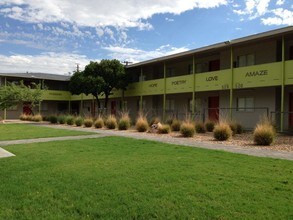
column 257, row 73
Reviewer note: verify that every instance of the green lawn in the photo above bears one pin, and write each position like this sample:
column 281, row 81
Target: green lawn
column 121, row 178
column 27, row 131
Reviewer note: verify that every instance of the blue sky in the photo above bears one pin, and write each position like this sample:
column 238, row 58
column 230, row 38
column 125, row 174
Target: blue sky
column 51, row 36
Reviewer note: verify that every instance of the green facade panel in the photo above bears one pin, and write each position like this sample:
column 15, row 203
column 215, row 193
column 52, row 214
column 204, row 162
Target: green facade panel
column 258, row 76
column 289, row 72
column 56, row 95
column 153, row 87
column 179, row 84
column 134, row 89
column 216, row 80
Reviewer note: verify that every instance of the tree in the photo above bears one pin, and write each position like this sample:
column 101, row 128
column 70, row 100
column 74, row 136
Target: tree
column 99, row 79
column 12, row 94
column 87, row 82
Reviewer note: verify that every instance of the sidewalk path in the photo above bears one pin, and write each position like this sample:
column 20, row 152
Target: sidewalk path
column 183, row 141
column 4, row 153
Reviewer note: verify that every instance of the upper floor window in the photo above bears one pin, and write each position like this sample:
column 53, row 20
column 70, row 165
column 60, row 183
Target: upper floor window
column 245, row 60
column 190, row 69
column 170, row 72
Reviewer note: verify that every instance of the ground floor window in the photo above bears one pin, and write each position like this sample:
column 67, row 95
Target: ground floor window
column 245, row 104
column 197, row 105
column 170, row 104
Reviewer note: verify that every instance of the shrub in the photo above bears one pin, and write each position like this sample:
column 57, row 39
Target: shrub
column 124, row 123
column 37, row 118
column 61, row 119
column 88, row 122
column 154, row 120
column 53, row 119
column 23, row 117
column 222, row 131
column 210, row 125
column 164, row 129
column 78, row 121
column 70, row 120
column 111, row 122
column 200, row 128
column 236, row 128
column 142, row 124
column 99, row 123
column 175, row 126
column 169, row 121
column 264, row 134
column 45, row 118
column 187, row 129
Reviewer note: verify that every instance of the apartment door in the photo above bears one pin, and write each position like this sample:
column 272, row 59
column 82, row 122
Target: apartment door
column 291, row 110
column 26, row 108
column 213, row 106
column 113, row 107
column 214, row 65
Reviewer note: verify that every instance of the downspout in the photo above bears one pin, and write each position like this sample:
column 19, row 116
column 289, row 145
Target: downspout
column 164, row 96
column 232, row 83
column 283, row 86
column 193, row 89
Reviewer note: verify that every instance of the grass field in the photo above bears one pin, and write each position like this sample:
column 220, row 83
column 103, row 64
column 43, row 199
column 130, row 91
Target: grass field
column 121, row 178
column 26, row 131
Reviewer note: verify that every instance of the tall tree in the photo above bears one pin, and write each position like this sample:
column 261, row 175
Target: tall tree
column 99, row 79
column 12, row 94
column 87, row 82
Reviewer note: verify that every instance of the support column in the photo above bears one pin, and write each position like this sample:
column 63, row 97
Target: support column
column 164, row 96
column 283, row 85
column 232, row 83
column 81, row 105
column 193, row 91
column 69, row 106
column 141, row 82
column 5, row 110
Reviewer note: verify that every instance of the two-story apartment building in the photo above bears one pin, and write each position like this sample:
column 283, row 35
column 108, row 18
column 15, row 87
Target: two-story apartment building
column 241, row 79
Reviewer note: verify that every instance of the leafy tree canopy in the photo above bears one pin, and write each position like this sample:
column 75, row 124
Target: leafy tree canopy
column 12, row 94
column 99, row 79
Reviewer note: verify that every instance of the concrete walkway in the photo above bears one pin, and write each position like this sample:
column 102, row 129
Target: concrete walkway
column 161, row 138
column 5, row 153
column 185, row 142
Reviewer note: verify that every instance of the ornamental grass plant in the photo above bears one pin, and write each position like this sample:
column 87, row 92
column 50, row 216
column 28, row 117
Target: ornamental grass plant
column 79, row 121
column 210, row 125
column 175, row 126
column 70, row 120
column 187, row 129
column 264, row 133
column 222, row 131
column 124, row 122
column 111, row 122
column 61, row 119
column 141, row 124
column 99, row 122
column 88, row 122
column 200, row 128
column 164, row 129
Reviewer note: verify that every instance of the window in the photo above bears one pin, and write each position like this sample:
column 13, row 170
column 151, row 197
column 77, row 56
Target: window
column 44, row 106
column 190, row 69
column 197, row 104
column 170, row 104
column 12, row 108
column 170, row 72
column 245, row 104
column 245, row 60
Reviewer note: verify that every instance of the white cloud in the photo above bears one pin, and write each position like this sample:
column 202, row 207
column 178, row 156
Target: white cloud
column 280, row 2
column 254, row 8
column 123, row 13
column 137, row 55
column 46, row 63
column 280, row 17
column 169, row 19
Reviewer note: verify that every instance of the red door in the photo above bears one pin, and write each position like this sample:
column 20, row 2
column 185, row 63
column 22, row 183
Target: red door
column 214, row 108
column 26, row 109
column 291, row 110
column 113, row 108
